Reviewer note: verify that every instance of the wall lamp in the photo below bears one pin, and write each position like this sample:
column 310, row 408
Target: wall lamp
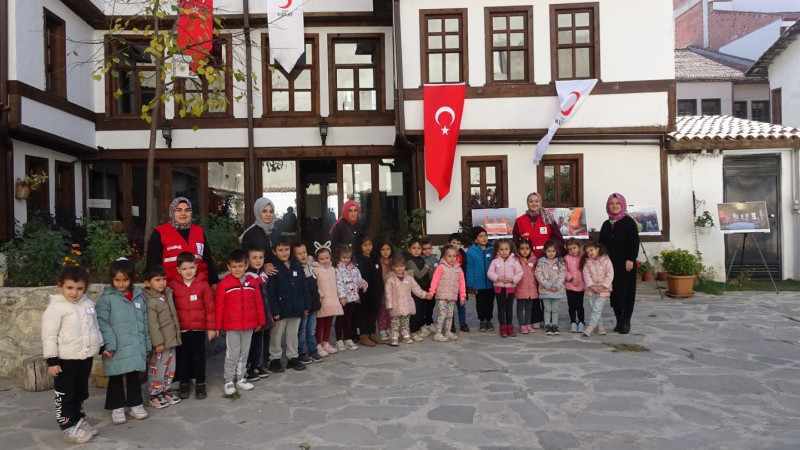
column 323, row 130
column 166, row 132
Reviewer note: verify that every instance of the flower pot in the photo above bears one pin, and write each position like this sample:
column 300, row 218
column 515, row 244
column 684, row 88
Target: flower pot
column 648, row 276
column 638, row 276
column 21, row 190
column 704, row 230
column 661, row 276
column 680, row 286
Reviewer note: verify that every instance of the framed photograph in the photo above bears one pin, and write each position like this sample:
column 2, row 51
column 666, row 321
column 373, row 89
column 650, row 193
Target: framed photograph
column 571, row 222
column 647, row 219
column 499, row 223
column 743, row 217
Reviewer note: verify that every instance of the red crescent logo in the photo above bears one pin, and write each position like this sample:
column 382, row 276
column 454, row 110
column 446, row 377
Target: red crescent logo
column 288, row 4
column 569, row 110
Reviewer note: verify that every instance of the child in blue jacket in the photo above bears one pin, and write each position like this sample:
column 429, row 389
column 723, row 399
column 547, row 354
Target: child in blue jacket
column 289, row 300
column 479, row 258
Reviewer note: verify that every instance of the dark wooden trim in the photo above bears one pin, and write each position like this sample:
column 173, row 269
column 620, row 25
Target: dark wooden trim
column 380, row 75
column 370, row 119
column 19, row 88
column 665, row 217
column 672, row 106
column 50, row 21
column 527, row 11
column 48, row 140
column 88, row 12
column 43, row 192
column 570, row 134
column 266, row 77
column 423, row 42
column 240, row 153
column 595, row 26
column 6, row 144
column 694, row 146
column 236, row 21
column 577, row 183
column 64, row 192
column 549, row 90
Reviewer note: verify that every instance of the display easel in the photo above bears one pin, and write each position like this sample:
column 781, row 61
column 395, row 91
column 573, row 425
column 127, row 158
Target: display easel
column 647, row 258
column 741, row 262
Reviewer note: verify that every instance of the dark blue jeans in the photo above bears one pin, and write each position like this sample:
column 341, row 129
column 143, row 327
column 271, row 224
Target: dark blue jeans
column 306, row 341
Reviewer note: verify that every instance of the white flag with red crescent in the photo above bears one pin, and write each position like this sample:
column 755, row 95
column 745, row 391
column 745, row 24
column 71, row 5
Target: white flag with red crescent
column 286, row 39
column 571, row 95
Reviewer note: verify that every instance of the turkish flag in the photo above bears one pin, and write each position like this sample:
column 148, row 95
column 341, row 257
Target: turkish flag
column 443, row 105
column 196, row 29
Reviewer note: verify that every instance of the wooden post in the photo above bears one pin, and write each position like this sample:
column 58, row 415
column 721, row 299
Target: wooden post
column 36, row 378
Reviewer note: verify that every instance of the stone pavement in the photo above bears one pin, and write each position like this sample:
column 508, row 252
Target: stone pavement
column 722, row 372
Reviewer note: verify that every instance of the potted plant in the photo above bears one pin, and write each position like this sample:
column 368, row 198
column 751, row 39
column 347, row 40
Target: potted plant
column 659, row 268
column 682, row 268
column 704, row 222
column 23, row 188
column 645, row 270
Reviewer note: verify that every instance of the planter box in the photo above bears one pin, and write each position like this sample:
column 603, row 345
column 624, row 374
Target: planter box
column 680, row 286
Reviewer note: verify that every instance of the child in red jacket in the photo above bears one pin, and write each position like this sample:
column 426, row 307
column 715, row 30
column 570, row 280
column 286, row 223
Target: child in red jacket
column 240, row 311
column 194, row 305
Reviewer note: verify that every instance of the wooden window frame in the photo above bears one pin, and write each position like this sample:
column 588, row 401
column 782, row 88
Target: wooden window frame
column 743, row 105
column 55, row 54
column 594, row 16
column 380, row 73
column 42, row 193
column 765, row 106
column 112, row 82
column 717, row 102
column 461, row 15
column 775, row 106
column 686, row 101
column 527, row 13
column 312, row 39
column 577, row 179
column 225, row 69
column 500, row 161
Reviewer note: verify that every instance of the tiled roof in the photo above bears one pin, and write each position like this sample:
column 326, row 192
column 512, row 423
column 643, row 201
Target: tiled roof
column 692, row 66
column 728, row 128
column 761, row 67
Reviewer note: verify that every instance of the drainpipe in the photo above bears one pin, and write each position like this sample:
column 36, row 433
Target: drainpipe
column 796, row 205
column 251, row 159
column 705, row 24
column 400, row 117
column 6, row 146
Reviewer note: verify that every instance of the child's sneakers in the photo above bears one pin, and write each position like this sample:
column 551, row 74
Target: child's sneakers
column 118, row 416
column 581, row 327
column 138, row 412
column 229, row 388
column 573, row 327
column 275, row 366
column 588, row 331
column 262, row 372
column 555, row 328
column 315, row 357
column 321, row 351
column 523, row 329
column 548, row 329
column 244, row 385
column 489, row 325
column 451, row 336
column 251, row 375
column 159, row 402
column 305, row 359
column 77, row 435
column 424, row 332
column 407, row 339
column 439, row 337
column 295, row 364
column 340, row 346
column 393, row 341
column 600, row 330
column 350, row 344
column 416, row 337
column 83, row 423
column 482, row 326
column 184, row 390
column 170, row 398
column 200, row 391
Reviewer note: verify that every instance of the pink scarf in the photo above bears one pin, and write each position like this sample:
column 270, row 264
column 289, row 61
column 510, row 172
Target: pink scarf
column 622, row 203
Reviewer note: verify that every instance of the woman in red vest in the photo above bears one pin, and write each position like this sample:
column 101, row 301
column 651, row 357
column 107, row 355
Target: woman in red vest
column 538, row 226
column 180, row 235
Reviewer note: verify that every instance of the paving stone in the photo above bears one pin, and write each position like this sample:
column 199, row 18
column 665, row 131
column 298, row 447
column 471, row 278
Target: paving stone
column 532, row 415
column 347, row 433
column 556, row 440
column 562, row 358
column 452, row 413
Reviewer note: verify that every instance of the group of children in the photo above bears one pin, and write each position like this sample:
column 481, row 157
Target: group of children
column 162, row 329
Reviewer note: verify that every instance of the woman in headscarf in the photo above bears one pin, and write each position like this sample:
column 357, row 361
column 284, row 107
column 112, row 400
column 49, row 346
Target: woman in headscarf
column 263, row 232
column 538, row 226
column 620, row 235
column 345, row 229
column 180, row 235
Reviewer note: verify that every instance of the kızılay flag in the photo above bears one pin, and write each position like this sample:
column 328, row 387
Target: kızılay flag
column 286, row 39
column 442, row 105
column 196, row 29
column 571, row 95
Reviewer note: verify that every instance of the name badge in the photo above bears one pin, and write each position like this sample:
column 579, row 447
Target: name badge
column 544, row 230
column 405, row 281
column 192, row 297
column 294, row 273
column 530, row 264
column 499, row 264
column 162, row 298
column 138, row 305
column 435, row 265
column 89, row 310
column 377, row 266
column 488, row 255
column 200, row 248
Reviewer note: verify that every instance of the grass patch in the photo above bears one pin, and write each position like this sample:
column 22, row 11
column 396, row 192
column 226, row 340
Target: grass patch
column 624, row 347
column 233, row 397
column 717, row 287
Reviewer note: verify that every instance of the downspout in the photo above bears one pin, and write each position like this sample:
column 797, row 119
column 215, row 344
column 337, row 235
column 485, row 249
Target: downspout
column 6, row 146
column 400, row 117
column 796, row 205
column 251, row 159
column 705, row 24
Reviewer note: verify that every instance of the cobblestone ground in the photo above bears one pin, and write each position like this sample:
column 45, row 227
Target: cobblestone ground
column 721, row 372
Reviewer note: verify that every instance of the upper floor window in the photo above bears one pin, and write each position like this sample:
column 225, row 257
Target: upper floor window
column 575, row 41
column 509, row 46
column 443, row 34
column 215, row 96
column 711, row 107
column 132, row 78
column 298, row 91
column 357, row 80
column 687, row 107
column 740, row 109
column 55, row 54
column 759, row 110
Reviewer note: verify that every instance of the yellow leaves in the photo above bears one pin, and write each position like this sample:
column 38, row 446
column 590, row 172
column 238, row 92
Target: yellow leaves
column 118, row 93
column 96, row 76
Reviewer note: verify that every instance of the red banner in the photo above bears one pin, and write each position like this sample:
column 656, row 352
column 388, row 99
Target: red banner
column 443, row 105
column 196, row 29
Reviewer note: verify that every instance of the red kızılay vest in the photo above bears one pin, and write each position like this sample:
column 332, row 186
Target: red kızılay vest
column 173, row 244
column 537, row 233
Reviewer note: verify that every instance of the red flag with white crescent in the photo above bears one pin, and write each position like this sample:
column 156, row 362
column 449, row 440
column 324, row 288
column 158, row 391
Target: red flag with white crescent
column 196, row 29
column 443, row 105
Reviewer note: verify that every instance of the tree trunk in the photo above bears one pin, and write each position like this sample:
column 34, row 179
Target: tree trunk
column 155, row 114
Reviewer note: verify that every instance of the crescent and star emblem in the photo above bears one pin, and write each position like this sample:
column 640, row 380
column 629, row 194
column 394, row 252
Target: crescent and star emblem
column 288, row 4
column 448, row 110
column 568, row 111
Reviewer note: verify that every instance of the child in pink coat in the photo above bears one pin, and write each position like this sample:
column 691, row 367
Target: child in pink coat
column 527, row 291
column 398, row 288
column 505, row 272
column 574, row 286
column 449, row 286
column 598, row 273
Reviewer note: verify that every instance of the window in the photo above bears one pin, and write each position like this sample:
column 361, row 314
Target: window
column 484, row 182
column 135, row 79
column 759, row 110
column 574, row 36
column 740, row 109
column 297, row 93
column 775, row 99
column 508, row 50
column 444, row 45
column 217, row 94
column 559, row 180
column 711, row 107
column 357, row 64
column 687, row 107
column 55, row 54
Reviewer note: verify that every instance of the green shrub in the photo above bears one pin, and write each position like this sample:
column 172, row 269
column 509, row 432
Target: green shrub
column 103, row 247
column 680, row 262
column 35, row 256
column 222, row 235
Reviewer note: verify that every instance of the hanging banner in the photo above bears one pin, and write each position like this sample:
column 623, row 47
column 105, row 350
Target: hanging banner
column 571, row 95
column 286, row 39
column 195, row 29
column 442, row 105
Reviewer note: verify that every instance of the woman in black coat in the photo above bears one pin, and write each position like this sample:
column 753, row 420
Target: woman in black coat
column 620, row 235
column 262, row 233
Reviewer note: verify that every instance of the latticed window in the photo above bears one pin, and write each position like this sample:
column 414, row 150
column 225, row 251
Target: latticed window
column 132, row 76
column 444, row 45
column 356, row 72
column 216, row 94
column 484, row 184
column 559, row 181
column 575, row 36
column 510, row 45
column 296, row 93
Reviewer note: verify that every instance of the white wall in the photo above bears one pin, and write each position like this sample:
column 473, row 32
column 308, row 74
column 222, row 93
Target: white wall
column 783, row 74
column 699, row 91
